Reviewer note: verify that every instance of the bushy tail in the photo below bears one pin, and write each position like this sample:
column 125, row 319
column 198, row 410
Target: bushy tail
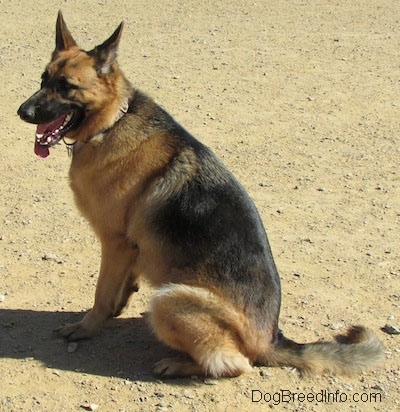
column 354, row 352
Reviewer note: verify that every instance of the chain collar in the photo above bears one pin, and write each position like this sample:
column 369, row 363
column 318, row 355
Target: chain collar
column 121, row 113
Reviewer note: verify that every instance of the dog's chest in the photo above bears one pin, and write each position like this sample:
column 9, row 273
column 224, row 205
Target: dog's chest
column 101, row 194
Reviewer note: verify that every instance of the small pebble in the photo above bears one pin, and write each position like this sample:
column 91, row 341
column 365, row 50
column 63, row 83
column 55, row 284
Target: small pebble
column 336, row 326
column 264, row 374
column 188, row 395
column 90, row 407
column 210, row 381
column 52, row 257
column 378, row 388
column 391, row 330
column 2, row 298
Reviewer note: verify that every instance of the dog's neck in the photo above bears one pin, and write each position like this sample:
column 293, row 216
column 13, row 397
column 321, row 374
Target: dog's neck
column 120, row 114
column 98, row 136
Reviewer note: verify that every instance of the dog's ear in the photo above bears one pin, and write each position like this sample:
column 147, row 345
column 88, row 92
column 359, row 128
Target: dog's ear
column 64, row 39
column 106, row 53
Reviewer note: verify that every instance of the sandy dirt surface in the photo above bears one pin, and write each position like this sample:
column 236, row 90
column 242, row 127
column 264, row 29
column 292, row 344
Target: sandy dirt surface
column 300, row 99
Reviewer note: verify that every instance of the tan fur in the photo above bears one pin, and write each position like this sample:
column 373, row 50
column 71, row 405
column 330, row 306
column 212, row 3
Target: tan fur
column 349, row 355
column 202, row 324
column 124, row 171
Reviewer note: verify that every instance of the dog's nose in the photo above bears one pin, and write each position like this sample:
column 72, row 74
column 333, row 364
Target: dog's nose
column 26, row 112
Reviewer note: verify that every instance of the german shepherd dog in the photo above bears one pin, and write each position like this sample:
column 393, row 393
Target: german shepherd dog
column 164, row 207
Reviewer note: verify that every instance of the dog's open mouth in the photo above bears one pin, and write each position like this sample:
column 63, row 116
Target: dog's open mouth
column 49, row 134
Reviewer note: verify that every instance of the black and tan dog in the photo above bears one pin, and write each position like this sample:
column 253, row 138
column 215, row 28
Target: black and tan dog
column 164, row 207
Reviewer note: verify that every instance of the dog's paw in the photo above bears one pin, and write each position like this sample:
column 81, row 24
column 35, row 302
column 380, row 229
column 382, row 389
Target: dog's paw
column 176, row 367
column 74, row 331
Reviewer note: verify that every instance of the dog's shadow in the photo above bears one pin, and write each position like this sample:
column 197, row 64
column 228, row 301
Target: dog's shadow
column 124, row 348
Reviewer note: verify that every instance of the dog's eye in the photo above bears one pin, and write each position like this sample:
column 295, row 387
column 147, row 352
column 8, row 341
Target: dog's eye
column 63, row 86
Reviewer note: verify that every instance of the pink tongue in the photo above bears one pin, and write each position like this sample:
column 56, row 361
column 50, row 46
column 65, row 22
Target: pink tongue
column 40, row 150
column 46, row 129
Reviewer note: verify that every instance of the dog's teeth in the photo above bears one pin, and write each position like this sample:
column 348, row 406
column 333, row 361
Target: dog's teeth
column 66, row 121
column 39, row 136
column 49, row 139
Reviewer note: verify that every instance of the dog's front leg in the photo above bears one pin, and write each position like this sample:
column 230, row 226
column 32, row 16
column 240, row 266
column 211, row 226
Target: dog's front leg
column 115, row 285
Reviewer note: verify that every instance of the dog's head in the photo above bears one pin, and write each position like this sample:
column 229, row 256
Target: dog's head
column 79, row 94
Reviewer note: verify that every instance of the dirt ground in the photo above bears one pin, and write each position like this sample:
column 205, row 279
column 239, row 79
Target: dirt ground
column 300, row 99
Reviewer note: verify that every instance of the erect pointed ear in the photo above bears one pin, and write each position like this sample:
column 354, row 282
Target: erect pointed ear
column 106, row 54
column 64, row 39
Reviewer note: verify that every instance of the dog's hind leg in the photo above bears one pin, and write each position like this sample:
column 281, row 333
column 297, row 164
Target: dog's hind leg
column 198, row 322
column 114, row 287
